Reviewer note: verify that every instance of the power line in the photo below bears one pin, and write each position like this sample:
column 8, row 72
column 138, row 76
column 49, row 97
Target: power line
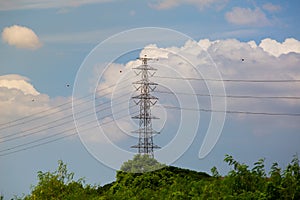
column 49, row 114
column 166, row 106
column 234, row 111
column 47, row 142
column 51, row 127
column 57, row 125
column 59, row 119
column 40, row 144
column 39, row 117
column 35, row 115
column 231, row 80
column 232, row 96
column 48, row 123
column 11, row 123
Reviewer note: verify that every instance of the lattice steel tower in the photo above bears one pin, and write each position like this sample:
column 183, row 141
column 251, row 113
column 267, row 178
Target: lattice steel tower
column 145, row 100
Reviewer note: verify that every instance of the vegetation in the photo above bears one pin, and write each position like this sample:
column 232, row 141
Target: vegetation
column 175, row 183
column 141, row 164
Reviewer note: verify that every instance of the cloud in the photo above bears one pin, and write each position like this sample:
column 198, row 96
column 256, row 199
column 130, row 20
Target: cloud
column 271, row 7
column 201, row 4
column 44, row 4
column 276, row 48
column 205, row 59
column 28, row 115
column 17, row 93
column 247, row 16
column 18, row 82
column 266, row 60
column 19, row 98
column 21, row 37
column 252, row 44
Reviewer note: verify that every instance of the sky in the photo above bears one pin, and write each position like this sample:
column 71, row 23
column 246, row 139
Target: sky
column 228, row 83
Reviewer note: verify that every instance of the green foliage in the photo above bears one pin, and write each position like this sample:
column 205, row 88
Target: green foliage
column 215, row 172
column 241, row 179
column 141, row 164
column 60, row 185
column 166, row 183
column 290, row 182
column 169, row 182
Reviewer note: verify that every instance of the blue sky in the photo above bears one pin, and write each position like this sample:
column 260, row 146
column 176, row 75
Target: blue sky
column 44, row 43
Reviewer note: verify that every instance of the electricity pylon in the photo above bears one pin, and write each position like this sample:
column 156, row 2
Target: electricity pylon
column 145, row 100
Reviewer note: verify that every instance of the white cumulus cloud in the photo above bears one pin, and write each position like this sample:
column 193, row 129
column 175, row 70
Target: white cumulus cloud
column 28, row 115
column 265, row 60
column 18, row 82
column 247, row 16
column 21, row 37
column 276, row 48
column 18, row 97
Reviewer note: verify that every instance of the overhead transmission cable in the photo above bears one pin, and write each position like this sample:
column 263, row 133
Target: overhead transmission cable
column 51, row 127
column 166, row 106
column 232, row 80
column 12, row 123
column 62, row 118
column 233, row 111
column 50, row 141
column 231, row 96
column 35, row 115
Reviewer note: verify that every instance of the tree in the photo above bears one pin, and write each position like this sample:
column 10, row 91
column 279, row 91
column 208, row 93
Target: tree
column 242, row 180
column 290, row 182
column 215, row 172
column 141, row 164
column 168, row 182
column 60, row 185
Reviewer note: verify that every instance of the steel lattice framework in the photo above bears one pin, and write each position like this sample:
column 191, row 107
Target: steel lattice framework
column 145, row 100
